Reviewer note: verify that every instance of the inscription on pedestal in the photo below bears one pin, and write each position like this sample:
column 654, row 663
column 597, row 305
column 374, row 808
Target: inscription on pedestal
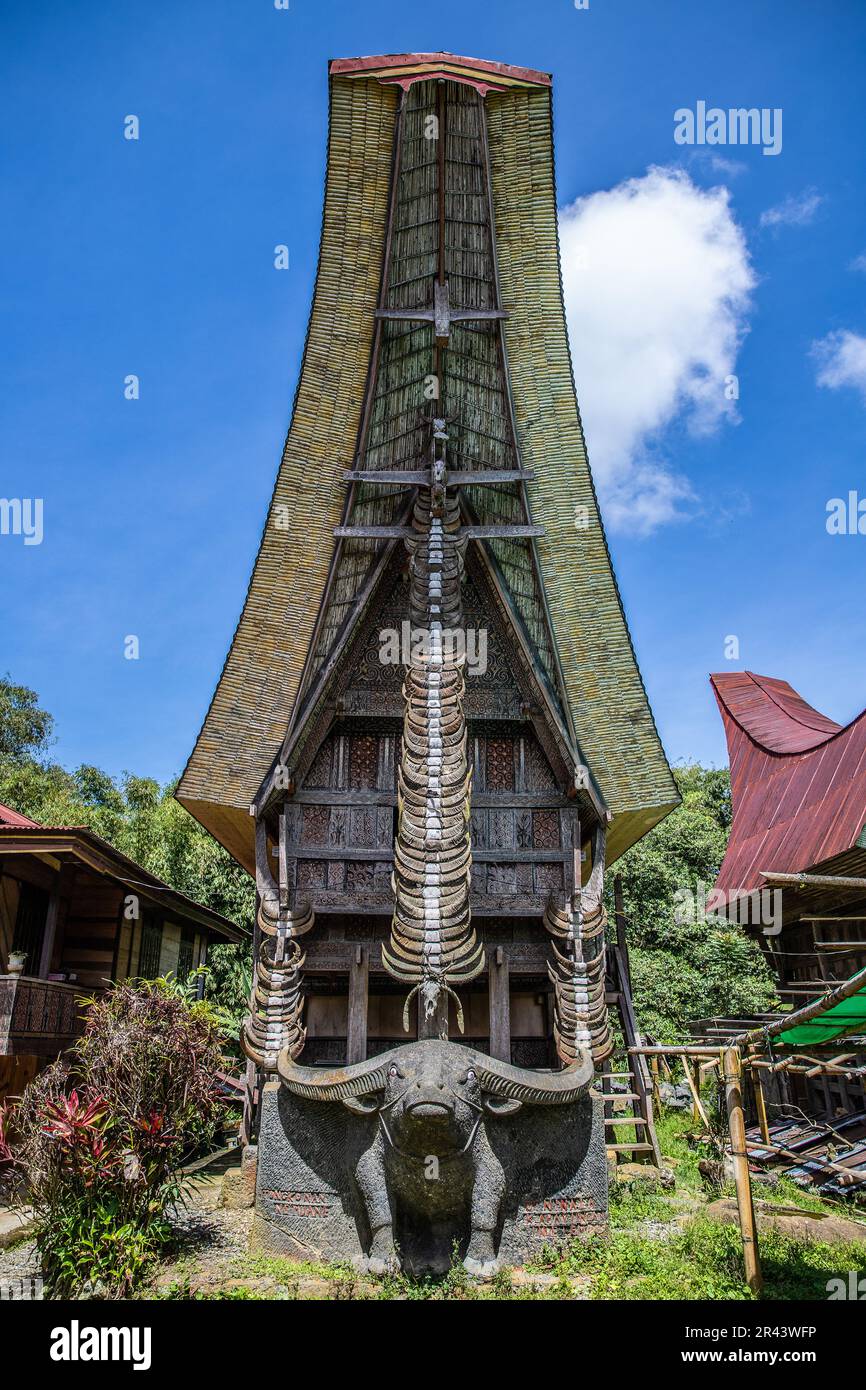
column 300, row 1203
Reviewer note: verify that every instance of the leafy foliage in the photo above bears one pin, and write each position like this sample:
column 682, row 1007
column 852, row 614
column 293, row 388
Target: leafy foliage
column 25, row 729
column 98, row 1138
column 688, row 968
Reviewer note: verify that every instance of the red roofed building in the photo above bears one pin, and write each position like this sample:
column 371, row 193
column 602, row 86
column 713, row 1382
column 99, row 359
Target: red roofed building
column 798, row 784
column 798, row 838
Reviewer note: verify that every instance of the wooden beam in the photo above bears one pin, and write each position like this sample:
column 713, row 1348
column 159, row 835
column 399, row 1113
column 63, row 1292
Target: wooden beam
column 500, row 1005
column 356, row 1031
column 851, row 918
column 430, row 316
column 471, row 533
column 420, row 477
column 693, row 1081
column 621, row 938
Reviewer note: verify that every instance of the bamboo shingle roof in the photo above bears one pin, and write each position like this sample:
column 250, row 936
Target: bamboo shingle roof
column 305, row 587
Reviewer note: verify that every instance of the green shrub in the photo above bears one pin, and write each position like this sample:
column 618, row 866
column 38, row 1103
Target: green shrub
column 98, row 1139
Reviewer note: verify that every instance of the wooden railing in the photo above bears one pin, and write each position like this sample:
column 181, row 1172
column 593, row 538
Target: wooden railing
column 43, row 1017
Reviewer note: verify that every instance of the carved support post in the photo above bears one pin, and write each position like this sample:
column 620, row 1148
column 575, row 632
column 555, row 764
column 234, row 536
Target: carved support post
column 356, row 1030
column 500, row 1005
column 577, row 967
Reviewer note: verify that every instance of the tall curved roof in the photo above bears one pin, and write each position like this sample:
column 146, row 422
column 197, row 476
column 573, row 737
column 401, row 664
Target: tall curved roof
column 304, row 590
column 798, row 781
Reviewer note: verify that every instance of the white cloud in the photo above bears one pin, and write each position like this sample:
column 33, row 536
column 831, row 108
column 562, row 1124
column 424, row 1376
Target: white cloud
column 841, row 358
column 859, row 262
column 731, row 168
column 794, row 211
column 657, row 281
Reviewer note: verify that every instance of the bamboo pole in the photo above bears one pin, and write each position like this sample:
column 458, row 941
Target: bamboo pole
column 676, row 1050
column 737, row 1128
column 698, row 1111
column 654, row 1072
column 761, row 1105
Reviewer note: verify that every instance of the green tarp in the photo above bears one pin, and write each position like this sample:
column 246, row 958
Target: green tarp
column 848, row 1016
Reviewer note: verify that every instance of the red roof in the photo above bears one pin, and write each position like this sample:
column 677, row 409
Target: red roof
column 798, row 780
column 406, row 68
column 10, row 817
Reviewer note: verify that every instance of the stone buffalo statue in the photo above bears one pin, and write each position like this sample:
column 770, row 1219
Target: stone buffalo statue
column 425, row 1152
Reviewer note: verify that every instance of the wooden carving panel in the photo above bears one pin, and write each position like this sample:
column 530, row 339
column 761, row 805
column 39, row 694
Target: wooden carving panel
column 340, row 824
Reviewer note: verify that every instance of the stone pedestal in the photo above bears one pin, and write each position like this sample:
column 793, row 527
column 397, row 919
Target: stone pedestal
column 307, row 1206
column 239, row 1184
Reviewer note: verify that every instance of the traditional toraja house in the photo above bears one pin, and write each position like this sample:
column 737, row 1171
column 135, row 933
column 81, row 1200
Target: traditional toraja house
column 74, row 915
column 795, row 874
column 430, row 733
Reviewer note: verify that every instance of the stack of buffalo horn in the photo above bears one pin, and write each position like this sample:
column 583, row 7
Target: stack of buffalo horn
column 276, row 1003
column 577, row 970
column 433, row 944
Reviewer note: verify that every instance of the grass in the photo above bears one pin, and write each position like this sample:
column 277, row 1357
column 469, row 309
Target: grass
column 661, row 1246
column 703, row 1260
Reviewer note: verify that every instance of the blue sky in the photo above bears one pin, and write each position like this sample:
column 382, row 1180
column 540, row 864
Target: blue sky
column 155, row 257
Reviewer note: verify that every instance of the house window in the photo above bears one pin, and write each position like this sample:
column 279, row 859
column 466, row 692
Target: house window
column 151, row 948
column 30, row 925
column 184, row 955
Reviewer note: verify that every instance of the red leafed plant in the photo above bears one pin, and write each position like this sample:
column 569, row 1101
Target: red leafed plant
column 77, row 1127
column 71, row 1119
column 100, row 1137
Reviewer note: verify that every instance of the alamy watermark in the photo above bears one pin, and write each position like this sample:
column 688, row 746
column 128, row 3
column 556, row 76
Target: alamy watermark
column 26, row 1287
column 848, row 1288
column 760, row 908
column 457, row 645
column 77, row 1343
column 846, row 516
column 736, row 126
column 22, row 516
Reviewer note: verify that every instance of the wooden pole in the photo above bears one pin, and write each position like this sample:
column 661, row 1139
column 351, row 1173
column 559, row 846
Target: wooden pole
column 733, row 1074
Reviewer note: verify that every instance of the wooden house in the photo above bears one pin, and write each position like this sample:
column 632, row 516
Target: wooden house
column 80, row 914
column 436, row 383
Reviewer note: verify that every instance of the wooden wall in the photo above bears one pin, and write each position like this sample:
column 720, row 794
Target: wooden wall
column 91, row 929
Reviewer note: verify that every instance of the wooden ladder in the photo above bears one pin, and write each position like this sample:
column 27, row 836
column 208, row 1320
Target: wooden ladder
column 638, row 1114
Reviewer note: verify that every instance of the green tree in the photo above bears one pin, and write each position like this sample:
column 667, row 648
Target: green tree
column 684, row 964
column 25, row 729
